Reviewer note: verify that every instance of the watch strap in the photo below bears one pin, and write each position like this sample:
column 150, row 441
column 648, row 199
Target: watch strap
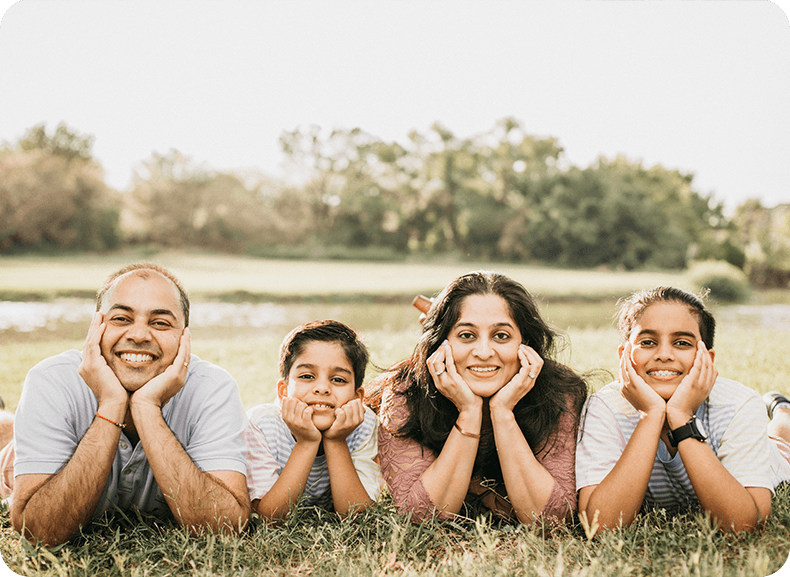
column 684, row 432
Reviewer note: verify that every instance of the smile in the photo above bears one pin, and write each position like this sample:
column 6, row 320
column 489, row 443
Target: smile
column 664, row 374
column 136, row 357
column 483, row 370
column 322, row 406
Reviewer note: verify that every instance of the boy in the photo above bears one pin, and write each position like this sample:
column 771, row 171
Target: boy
column 670, row 432
column 317, row 439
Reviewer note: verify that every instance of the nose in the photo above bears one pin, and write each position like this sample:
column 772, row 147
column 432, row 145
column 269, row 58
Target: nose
column 483, row 349
column 664, row 352
column 138, row 332
column 321, row 386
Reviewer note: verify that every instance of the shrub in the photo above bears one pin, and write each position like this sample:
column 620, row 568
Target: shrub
column 726, row 282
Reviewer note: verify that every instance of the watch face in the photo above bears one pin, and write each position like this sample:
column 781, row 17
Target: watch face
column 700, row 428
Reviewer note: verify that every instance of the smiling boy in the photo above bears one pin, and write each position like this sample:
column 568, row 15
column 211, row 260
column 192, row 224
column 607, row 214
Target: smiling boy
column 133, row 421
column 671, row 433
column 318, row 439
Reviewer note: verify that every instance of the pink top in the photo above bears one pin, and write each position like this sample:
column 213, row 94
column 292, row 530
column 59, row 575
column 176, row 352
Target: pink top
column 404, row 460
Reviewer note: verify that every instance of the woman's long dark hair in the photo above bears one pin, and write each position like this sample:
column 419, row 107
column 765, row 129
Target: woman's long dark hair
column 557, row 390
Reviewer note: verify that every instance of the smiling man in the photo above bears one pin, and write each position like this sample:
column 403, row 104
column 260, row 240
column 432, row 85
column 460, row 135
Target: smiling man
column 133, row 421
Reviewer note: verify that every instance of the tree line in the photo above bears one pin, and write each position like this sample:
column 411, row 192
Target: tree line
column 503, row 195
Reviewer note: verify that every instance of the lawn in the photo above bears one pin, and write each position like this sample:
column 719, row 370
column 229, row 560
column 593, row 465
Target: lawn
column 379, row 541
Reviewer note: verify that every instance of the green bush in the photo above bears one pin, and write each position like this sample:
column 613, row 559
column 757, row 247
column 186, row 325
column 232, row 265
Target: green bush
column 726, row 282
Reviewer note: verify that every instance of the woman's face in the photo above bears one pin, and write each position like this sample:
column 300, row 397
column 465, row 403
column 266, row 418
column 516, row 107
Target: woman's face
column 485, row 342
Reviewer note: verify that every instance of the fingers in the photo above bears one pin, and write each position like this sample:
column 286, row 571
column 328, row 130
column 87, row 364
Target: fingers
column 437, row 361
column 184, row 355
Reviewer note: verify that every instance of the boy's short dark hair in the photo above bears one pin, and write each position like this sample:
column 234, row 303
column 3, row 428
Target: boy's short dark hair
column 325, row 331
column 631, row 308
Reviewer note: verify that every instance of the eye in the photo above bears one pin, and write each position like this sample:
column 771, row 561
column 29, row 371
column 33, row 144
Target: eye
column 465, row 336
column 646, row 343
column 120, row 319
column 501, row 336
column 684, row 343
column 161, row 324
column 305, row 376
column 340, row 380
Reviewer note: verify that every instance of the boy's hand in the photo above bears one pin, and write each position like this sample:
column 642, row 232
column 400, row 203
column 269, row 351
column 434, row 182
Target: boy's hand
column 449, row 382
column 522, row 382
column 299, row 418
column 693, row 389
column 634, row 388
column 347, row 418
column 163, row 387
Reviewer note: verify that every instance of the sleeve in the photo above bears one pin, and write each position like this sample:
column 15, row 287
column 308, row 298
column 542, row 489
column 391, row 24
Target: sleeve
column 559, row 460
column 364, row 457
column 215, row 439
column 601, row 443
column 262, row 468
column 48, row 425
column 745, row 449
column 403, row 461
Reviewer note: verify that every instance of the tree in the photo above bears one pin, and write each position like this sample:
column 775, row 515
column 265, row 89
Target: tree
column 764, row 234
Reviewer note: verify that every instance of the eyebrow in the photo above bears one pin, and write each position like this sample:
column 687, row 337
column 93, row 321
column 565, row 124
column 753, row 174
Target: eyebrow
column 468, row 324
column 652, row 332
column 314, row 367
column 154, row 312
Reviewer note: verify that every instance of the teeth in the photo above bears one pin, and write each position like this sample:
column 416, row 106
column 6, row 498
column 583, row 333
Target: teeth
column 136, row 358
column 664, row 373
column 321, row 406
column 483, row 370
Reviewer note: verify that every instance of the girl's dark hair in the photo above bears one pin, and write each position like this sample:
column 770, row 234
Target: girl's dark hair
column 631, row 308
column 326, row 331
column 557, row 390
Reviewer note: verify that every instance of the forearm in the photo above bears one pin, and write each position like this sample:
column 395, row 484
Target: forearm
column 276, row 503
column 619, row 496
column 196, row 498
column 347, row 490
column 528, row 483
column 730, row 504
column 447, row 479
column 52, row 508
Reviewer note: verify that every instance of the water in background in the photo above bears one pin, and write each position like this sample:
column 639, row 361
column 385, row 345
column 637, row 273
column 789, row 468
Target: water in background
column 69, row 318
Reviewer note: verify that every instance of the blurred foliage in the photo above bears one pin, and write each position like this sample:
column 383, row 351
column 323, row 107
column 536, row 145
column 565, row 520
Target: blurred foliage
column 502, row 195
column 725, row 282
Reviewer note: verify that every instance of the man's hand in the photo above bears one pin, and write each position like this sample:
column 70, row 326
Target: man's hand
column 98, row 375
column 163, row 387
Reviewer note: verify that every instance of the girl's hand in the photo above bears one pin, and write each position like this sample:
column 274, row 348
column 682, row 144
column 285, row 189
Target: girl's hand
column 299, row 418
column 693, row 389
column 522, row 382
column 449, row 382
column 347, row 418
column 634, row 388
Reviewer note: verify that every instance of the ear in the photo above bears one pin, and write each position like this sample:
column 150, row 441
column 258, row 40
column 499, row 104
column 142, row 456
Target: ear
column 712, row 354
column 360, row 393
column 620, row 350
column 282, row 389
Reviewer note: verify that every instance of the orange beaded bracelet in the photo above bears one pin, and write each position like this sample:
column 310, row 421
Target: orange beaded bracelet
column 119, row 425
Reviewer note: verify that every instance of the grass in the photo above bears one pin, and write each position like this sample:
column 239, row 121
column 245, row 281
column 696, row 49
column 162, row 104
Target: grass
column 379, row 541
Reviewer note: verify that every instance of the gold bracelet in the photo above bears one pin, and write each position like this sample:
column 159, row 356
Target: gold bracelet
column 467, row 433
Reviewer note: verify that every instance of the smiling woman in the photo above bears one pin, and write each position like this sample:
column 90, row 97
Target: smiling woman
column 480, row 417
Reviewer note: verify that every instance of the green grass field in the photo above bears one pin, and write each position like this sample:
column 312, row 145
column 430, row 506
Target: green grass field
column 378, row 541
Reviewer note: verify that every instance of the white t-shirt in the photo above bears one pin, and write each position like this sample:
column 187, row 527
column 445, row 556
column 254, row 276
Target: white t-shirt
column 734, row 418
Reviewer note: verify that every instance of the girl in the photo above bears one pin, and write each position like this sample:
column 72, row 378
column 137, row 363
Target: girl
column 480, row 417
column 670, row 432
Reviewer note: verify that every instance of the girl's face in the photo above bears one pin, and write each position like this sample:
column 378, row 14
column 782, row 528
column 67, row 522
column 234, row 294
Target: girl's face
column 664, row 345
column 485, row 342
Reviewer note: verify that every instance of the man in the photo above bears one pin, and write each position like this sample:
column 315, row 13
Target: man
column 132, row 421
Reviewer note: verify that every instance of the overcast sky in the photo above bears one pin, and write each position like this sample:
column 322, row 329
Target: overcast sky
column 698, row 86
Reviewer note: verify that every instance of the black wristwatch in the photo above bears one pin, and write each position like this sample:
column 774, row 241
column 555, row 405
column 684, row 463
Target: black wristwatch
column 693, row 429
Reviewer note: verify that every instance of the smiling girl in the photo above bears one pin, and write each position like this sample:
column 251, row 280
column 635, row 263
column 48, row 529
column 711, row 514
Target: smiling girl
column 670, row 432
column 480, row 417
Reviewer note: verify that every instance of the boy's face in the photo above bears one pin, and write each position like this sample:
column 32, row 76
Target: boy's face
column 664, row 341
column 323, row 378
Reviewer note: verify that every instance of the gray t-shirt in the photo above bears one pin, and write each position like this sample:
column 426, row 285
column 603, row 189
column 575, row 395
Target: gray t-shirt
column 57, row 407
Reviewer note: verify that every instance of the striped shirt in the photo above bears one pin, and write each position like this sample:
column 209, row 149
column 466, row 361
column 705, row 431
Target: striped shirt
column 270, row 443
column 734, row 418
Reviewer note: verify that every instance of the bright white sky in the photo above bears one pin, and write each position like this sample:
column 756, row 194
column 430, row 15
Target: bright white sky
column 698, row 86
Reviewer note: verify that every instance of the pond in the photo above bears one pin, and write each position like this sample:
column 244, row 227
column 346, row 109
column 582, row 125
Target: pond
column 69, row 318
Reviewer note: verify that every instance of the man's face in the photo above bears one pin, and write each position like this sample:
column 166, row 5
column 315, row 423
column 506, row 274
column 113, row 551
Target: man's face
column 144, row 325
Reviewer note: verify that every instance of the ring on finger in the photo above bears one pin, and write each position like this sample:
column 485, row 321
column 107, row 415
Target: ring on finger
column 439, row 372
column 531, row 375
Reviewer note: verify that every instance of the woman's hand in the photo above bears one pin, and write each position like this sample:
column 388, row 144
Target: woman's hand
column 522, row 382
column 693, row 389
column 634, row 388
column 449, row 383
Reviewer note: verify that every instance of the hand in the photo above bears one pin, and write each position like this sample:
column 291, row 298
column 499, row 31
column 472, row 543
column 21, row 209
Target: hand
column 449, row 383
column 634, row 388
column 347, row 418
column 522, row 382
column 299, row 418
column 95, row 371
column 163, row 387
column 693, row 389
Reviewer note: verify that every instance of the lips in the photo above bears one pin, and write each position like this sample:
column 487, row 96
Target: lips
column 136, row 357
column 321, row 406
column 664, row 374
column 483, row 371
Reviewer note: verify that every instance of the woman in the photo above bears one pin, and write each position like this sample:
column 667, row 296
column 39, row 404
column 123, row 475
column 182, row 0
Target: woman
column 479, row 417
